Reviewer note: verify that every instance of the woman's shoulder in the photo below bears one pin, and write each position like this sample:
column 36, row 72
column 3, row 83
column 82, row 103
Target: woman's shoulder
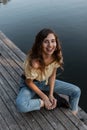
column 54, row 64
column 30, row 70
column 31, row 63
column 35, row 64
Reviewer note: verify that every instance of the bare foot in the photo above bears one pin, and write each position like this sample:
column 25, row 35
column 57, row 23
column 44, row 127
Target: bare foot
column 74, row 112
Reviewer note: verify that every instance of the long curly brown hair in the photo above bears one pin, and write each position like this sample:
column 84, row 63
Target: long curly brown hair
column 36, row 50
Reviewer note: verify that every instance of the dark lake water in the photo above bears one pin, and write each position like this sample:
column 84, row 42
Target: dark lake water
column 21, row 20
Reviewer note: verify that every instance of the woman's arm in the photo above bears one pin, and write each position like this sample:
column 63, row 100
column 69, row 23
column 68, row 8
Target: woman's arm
column 31, row 85
column 51, row 82
column 42, row 95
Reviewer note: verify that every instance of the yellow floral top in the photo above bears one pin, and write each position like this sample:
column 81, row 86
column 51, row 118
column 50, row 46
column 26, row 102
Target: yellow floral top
column 33, row 73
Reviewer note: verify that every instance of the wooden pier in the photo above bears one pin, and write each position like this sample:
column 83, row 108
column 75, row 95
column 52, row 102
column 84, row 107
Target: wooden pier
column 11, row 67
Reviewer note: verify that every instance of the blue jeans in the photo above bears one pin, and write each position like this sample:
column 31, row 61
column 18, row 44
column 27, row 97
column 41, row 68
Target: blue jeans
column 27, row 102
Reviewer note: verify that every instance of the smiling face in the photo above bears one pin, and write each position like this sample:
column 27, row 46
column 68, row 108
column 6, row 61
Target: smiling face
column 49, row 45
column 46, row 49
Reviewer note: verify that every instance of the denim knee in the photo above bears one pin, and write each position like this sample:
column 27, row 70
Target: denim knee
column 20, row 105
column 28, row 106
column 77, row 92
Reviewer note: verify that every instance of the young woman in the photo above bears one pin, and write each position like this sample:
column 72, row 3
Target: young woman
column 40, row 67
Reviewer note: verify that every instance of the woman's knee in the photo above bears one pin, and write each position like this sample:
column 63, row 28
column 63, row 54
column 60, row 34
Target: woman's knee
column 77, row 91
column 21, row 105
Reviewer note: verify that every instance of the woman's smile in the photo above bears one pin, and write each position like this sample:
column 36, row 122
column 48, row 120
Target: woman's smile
column 49, row 50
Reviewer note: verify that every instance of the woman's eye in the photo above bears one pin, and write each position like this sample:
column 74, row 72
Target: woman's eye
column 46, row 41
column 53, row 41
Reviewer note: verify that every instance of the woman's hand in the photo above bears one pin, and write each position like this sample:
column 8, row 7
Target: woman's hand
column 53, row 101
column 47, row 104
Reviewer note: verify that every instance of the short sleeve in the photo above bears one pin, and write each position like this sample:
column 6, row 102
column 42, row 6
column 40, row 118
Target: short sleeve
column 56, row 65
column 30, row 73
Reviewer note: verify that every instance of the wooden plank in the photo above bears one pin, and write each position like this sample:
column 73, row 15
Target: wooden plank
column 56, row 124
column 3, row 47
column 7, row 88
column 64, row 120
column 11, row 62
column 32, row 121
column 8, row 117
column 42, row 121
column 12, row 46
column 9, row 78
column 77, row 122
column 3, row 124
column 10, row 69
column 82, row 115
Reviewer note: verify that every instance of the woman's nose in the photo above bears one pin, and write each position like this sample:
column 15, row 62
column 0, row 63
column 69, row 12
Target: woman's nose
column 50, row 44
